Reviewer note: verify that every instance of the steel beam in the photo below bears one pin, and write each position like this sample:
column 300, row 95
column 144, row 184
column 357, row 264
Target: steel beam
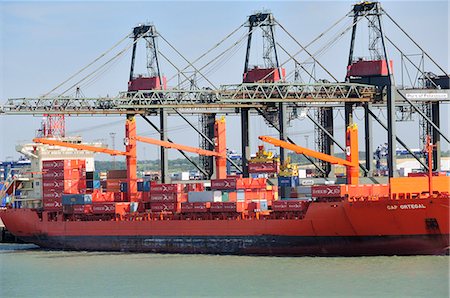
column 245, row 141
column 368, row 140
column 164, row 161
column 435, row 115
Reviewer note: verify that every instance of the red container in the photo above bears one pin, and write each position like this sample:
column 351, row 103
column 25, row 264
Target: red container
column 163, row 207
column 326, row 191
column 280, row 206
column 262, row 167
column 60, row 174
column 162, row 197
column 104, row 208
column 82, row 209
column 165, row 188
column 116, row 174
column 223, row 207
column 200, row 207
column 64, row 164
column 52, row 204
column 187, row 207
column 223, row 184
column 62, row 186
column 296, row 205
column 52, row 195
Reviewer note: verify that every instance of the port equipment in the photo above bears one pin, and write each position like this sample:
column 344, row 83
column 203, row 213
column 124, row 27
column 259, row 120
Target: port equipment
column 351, row 163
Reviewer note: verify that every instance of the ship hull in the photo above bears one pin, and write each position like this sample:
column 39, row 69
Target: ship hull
column 252, row 245
column 347, row 228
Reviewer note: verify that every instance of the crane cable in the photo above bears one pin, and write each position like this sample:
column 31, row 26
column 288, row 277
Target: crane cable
column 88, row 65
column 103, row 65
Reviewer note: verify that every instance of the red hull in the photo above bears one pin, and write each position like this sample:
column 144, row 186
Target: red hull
column 400, row 227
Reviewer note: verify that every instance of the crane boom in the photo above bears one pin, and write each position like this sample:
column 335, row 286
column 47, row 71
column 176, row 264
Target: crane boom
column 351, row 142
column 306, row 151
column 178, row 146
column 80, row 147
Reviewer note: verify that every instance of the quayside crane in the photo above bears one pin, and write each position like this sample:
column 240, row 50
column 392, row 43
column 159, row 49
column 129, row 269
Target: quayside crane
column 351, row 162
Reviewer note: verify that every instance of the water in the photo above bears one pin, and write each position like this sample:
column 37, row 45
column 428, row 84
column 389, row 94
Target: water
column 26, row 271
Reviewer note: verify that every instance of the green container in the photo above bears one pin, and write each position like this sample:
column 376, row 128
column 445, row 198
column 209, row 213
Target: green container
column 225, row 196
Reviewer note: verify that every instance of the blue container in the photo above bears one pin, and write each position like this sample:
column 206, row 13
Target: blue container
column 17, row 192
column 288, row 181
column 123, row 187
column 146, row 186
column 89, row 184
column 76, row 199
column 96, row 184
column 140, row 186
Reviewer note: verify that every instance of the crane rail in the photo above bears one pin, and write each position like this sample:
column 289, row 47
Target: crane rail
column 248, row 95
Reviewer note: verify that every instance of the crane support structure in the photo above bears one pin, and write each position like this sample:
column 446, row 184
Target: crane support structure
column 178, row 146
column 351, row 151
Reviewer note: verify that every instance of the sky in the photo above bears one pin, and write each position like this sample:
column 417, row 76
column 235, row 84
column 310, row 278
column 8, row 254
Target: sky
column 43, row 43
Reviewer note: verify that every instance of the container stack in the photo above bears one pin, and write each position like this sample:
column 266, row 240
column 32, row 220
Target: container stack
column 114, row 179
column 165, row 197
column 62, row 177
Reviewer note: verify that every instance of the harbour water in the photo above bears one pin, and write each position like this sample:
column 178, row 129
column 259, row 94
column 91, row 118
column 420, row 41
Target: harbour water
column 26, row 271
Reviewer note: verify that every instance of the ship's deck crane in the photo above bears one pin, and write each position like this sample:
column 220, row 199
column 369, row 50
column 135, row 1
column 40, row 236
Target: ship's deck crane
column 131, row 153
column 351, row 162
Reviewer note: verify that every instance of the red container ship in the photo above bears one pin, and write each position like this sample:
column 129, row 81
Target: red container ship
column 408, row 216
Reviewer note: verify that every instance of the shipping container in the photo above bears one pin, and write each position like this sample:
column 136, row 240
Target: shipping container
column 223, row 207
column 89, row 175
column 52, row 204
column 223, row 184
column 205, row 196
column 59, row 174
column 76, row 199
column 187, row 207
column 104, row 207
column 116, row 174
column 82, row 209
column 288, row 181
column 163, row 207
column 143, row 186
column 201, row 206
column 124, row 187
column 163, row 197
column 327, row 191
column 263, row 167
column 166, row 188
column 52, row 195
column 64, row 164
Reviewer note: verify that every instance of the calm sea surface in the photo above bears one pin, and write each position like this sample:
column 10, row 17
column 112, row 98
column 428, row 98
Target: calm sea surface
column 29, row 272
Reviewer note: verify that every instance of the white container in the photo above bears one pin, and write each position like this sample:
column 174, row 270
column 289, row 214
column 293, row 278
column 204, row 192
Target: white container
column 217, row 196
column 184, row 176
column 301, row 173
